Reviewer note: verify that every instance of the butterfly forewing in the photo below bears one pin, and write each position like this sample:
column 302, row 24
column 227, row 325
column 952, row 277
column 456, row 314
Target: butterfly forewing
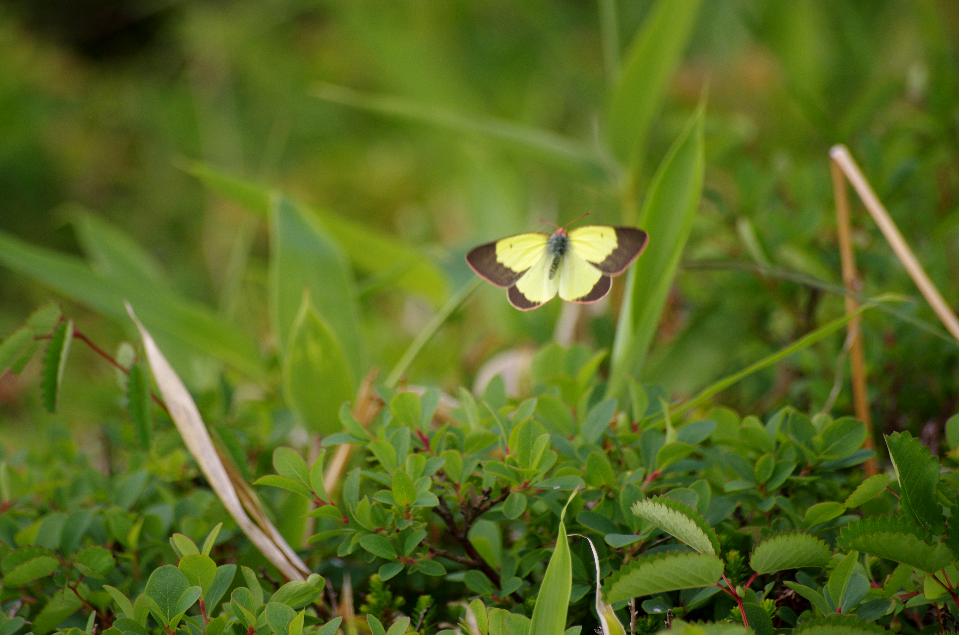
column 503, row 262
column 611, row 248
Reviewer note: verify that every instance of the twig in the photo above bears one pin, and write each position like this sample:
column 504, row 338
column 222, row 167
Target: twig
column 850, row 279
column 843, row 159
column 738, row 600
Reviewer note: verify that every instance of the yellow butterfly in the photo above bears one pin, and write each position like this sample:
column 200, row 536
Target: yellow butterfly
column 577, row 265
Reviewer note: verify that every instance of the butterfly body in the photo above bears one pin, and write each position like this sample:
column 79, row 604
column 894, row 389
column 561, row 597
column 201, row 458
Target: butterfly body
column 576, row 265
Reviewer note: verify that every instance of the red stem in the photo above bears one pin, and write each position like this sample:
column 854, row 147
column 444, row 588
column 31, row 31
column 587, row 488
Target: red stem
column 738, row 599
column 748, row 583
column 947, row 586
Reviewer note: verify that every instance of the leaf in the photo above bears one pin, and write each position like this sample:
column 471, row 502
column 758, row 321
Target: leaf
column 138, row 403
column 399, row 627
column 14, row 346
column 288, row 463
column 758, row 618
column 668, row 215
column 94, row 561
column 550, row 613
column 403, row 489
column 370, row 250
column 917, row 472
column 816, row 599
column 61, row 605
column 306, row 263
column 597, row 420
column 544, row 144
column 663, row 572
column 377, row 629
column 199, row 569
column 485, row 537
column 867, row 490
column 683, row 523
column 278, row 617
column 822, row 513
column 896, row 540
column 793, row 550
column 166, row 586
column 379, row 546
column 30, row 570
column 841, row 438
column 219, row 586
column 840, row 578
column 114, row 254
column 284, row 483
column 651, row 60
column 229, row 488
column 172, row 317
column 836, row 624
column 610, row 625
column 54, row 363
column 514, row 506
column 315, row 360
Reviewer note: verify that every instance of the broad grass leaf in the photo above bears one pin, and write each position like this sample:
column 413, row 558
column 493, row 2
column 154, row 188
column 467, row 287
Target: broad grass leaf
column 789, row 551
column 918, row 474
column 315, row 360
column 658, row 573
column 54, row 364
column 114, row 254
column 372, row 251
column 550, row 613
column 173, row 318
column 668, row 215
column 651, row 60
column 304, row 261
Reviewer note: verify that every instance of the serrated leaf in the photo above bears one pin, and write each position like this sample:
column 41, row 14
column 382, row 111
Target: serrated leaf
column 896, row 540
column 789, row 551
column 30, row 570
column 680, row 521
column 917, row 472
column 867, row 490
column 658, row 573
column 13, row 347
column 828, row 625
column 138, row 403
column 54, row 363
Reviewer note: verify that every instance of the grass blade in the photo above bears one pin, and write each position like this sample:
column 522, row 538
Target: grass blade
column 667, row 216
column 545, row 144
column 550, row 613
column 651, row 61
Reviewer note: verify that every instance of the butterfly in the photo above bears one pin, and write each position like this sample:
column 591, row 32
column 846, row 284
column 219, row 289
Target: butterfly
column 576, row 265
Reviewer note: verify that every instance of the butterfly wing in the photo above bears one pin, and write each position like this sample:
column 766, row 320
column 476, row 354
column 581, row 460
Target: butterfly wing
column 580, row 281
column 505, row 261
column 536, row 286
column 610, row 248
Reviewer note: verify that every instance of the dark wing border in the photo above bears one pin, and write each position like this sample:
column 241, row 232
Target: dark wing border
column 631, row 243
column 483, row 260
column 600, row 289
column 517, row 299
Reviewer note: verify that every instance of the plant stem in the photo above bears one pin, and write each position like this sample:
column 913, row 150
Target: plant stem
column 738, row 600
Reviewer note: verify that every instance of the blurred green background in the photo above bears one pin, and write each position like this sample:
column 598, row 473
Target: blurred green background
column 103, row 104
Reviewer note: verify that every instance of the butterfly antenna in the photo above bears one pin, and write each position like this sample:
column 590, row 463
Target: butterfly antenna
column 578, row 218
column 546, row 222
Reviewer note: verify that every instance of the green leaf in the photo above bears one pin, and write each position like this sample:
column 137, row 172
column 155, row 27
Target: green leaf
column 11, row 626
column 168, row 316
column 764, row 467
column 168, row 587
column 182, row 544
column 379, row 546
column 399, row 627
column 61, row 605
column 896, row 540
column 917, row 472
column 14, row 346
column 840, row 578
column 300, row 593
column 330, row 627
column 221, row 583
column 315, row 360
column 822, row 513
column 514, row 506
column 663, row 572
column 94, row 561
column 211, row 539
column 758, row 618
column 650, row 63
column 596, row 423
column 816, row 599
column 668, row 214
column 550, row 613
column 199, row 569
column 54, row 363
column 680, row 521
column 306, row 263
column 377, row 629
column 403, row 489
column 114, row 254
column 485, row 537
column 30, row 570
column 278, row 617
column 370, row 250
column 837, row 624
column 793, row 550
column 138, row 403
column 121, row 600
column 288, row 463
column 543, row 144
column 867, row 490
column 284, row 483
column 841, row 438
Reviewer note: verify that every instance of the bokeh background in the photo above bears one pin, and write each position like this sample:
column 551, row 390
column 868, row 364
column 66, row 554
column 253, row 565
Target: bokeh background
column 104, row 103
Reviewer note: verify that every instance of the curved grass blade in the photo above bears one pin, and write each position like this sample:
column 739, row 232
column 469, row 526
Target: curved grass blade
column 550, row 613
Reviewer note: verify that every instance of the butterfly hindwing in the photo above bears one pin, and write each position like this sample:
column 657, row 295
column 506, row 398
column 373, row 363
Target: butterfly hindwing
column 577, row 278
column 503, row 262
column 538, row 285
column 611, row 248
